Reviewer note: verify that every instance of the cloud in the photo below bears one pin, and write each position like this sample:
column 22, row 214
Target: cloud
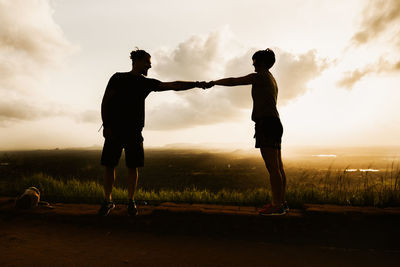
column 88, row 116
column 31, row 44
column 194, row 59
column 15, row 110
column 378, row 16
column 198, row 58
column 188, row 113
column 12, row 111
column 206, row 58
column 397, row 65
column 350, row 78
column 293, row 72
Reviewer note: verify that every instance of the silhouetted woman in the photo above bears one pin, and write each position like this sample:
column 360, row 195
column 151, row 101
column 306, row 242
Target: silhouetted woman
column 268, row 127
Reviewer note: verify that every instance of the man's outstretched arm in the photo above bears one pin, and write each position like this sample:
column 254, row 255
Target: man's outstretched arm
column 180, row 86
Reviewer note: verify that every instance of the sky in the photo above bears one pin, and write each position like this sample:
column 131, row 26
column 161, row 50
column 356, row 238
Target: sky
column 338, row 66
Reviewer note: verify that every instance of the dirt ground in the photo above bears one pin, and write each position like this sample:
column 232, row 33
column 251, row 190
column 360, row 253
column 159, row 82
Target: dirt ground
column 198, row 235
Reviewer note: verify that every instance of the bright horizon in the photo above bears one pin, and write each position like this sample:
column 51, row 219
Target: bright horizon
column 337, row 70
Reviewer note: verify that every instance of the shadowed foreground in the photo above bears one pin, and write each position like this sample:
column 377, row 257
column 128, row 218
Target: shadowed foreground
column 199, row 235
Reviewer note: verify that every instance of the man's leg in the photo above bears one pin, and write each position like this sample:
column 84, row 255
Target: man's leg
column 109, row 179
column 132, row 182
column 270, row 156
column 134, row 157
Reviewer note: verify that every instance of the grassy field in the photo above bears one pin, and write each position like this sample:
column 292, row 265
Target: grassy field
column 199, row 176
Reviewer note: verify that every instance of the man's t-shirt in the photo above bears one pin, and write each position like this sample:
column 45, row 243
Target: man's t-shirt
column 123, row 105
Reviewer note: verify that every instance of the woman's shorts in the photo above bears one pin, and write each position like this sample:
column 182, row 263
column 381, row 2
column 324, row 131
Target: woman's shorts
column 268, row 132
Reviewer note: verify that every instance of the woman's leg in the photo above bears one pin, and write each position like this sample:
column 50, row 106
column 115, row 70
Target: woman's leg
column 283, row 174
column 271, row 160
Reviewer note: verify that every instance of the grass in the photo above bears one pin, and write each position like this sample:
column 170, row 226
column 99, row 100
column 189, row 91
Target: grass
column 92, row 192
column 331, row 187
column 203, row 177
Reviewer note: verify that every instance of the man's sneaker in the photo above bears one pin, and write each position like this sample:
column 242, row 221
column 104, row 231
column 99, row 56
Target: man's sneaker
column 106, row 208
column 285, row 206
column 132, row 209
column 270, row 209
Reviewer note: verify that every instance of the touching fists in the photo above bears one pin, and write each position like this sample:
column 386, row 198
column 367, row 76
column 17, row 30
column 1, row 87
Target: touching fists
column 204, row 84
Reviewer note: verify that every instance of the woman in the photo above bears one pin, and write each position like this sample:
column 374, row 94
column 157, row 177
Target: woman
column 268, row 127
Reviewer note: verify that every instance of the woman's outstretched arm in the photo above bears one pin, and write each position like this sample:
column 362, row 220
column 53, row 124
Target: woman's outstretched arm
column 244, row 80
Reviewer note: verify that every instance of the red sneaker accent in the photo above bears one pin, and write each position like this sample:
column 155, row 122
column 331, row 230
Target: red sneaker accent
column 270, row 209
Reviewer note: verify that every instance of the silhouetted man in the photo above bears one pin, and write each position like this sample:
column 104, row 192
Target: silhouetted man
column 122, row 111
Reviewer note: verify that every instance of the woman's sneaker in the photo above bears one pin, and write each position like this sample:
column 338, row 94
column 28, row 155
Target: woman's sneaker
column 270, row 209
column 132, row 208
column 106, row 208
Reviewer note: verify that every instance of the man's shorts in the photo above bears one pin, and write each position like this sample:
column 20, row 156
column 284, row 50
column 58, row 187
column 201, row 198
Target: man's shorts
column 268, row 132
column 133, row 146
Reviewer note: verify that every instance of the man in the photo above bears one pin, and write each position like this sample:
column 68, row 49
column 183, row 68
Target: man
column 122, row 111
